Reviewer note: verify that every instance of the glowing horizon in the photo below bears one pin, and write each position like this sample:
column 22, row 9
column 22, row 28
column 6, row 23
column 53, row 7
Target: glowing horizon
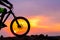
column 43, row 15
column 38, row 26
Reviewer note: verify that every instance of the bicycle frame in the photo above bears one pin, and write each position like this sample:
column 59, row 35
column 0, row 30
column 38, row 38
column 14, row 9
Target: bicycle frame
column 18, row 25
column 10, row 12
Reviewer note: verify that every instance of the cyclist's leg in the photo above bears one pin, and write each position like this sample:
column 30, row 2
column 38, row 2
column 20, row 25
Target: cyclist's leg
column 2, row 17
column 3, row 14
column 1, row 10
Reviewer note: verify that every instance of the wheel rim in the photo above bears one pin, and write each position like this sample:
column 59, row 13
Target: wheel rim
column 25, row 24
column 23, row 28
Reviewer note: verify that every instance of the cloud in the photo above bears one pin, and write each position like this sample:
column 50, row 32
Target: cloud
column 42, row 24
column 39, row 24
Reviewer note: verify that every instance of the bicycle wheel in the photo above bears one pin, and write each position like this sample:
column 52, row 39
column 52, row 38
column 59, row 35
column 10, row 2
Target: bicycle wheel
column 23, row 30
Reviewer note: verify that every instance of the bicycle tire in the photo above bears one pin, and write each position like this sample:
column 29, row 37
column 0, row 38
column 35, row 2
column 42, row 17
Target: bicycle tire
column 12, row 28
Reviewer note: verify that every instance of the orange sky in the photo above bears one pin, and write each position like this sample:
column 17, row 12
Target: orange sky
column 45, row 23
column 39, row 24
column 44, row 16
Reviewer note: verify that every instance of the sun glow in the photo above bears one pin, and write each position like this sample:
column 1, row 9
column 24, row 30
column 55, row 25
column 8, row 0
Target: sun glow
column 35, row 21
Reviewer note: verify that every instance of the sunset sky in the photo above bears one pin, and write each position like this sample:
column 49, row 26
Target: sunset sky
column 43, row 15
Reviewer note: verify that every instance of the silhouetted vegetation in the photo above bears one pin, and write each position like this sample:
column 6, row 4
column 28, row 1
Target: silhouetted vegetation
column 32, row 37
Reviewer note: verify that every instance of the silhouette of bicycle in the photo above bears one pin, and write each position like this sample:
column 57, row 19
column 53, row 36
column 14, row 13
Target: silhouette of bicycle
column 19, row 26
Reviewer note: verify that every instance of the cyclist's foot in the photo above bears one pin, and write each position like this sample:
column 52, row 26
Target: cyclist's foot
column 3, row 25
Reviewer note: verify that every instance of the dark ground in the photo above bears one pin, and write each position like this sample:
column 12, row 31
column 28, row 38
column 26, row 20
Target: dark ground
column 32, row 37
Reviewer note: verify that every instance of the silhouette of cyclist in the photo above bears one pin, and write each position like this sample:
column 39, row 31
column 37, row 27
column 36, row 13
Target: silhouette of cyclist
column 3, row 11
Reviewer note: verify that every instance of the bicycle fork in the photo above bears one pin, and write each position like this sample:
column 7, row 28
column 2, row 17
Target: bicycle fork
column 14, row 17
column 16, row 20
